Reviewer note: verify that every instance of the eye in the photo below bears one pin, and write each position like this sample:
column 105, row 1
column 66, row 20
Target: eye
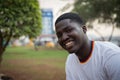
column 69, row 30
column 59, row 35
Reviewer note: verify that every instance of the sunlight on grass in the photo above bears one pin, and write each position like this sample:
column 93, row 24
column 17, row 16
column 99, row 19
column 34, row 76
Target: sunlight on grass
column 26, row 52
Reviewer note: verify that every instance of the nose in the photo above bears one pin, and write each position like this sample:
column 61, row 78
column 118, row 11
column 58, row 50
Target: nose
column 65, row 37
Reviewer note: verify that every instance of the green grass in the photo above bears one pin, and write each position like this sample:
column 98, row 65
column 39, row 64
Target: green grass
column 26, row 53
column 25, row 62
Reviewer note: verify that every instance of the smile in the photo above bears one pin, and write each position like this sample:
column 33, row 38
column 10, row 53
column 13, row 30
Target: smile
column 69, row 44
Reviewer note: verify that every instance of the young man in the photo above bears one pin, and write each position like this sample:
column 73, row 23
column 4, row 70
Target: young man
column 87, row 60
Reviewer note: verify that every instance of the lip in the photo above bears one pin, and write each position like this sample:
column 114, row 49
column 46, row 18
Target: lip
column 68, row 44
column 67, row 41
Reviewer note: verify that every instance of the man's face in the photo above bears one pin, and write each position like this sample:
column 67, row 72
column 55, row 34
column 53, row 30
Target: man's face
column 70, row 35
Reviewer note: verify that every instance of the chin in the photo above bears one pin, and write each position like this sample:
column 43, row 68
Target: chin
column 71, row 51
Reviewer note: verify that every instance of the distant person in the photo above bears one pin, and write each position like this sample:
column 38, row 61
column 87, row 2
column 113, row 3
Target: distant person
column 87, row 60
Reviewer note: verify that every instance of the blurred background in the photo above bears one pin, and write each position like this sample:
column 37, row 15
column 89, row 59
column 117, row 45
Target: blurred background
column 28, row 43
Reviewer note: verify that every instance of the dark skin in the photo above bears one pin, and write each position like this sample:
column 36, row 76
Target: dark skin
column 72, row 37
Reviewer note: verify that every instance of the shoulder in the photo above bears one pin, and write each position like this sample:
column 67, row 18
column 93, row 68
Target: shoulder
column 106, row 45
column 71, row 59
column 110, row 57
column 112, row 65
column 106, row 50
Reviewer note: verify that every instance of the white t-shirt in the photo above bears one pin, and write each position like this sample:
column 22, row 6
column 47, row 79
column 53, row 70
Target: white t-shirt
column 103, row 64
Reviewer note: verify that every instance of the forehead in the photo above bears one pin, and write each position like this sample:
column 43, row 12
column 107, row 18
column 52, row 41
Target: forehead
column 63, row 22
column 67, row 23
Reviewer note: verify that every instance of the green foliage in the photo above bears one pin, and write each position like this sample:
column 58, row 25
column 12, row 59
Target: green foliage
column 23, row 17
column 17, row 18
column 104, row 10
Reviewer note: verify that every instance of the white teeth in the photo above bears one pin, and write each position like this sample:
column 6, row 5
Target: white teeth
column 68, row 44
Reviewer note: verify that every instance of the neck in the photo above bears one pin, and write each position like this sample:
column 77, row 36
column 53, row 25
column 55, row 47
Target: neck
column 85, row 51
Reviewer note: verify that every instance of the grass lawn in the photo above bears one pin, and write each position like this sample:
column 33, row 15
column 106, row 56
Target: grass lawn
column 25, row 63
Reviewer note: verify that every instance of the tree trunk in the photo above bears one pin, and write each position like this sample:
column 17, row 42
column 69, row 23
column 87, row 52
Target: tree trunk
column 102, row 38
column 1, row 53
column 113, row 27
column 4, row 43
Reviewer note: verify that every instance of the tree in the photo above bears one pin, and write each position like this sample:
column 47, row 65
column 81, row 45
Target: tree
column 106, row 11
column 17, row 18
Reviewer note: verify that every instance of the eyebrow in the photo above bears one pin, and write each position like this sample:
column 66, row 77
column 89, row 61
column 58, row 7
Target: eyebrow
column 62, row 29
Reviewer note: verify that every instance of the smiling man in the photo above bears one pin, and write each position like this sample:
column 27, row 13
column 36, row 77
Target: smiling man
column 88, row 60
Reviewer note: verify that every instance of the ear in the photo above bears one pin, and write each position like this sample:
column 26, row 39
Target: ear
column 84, row 29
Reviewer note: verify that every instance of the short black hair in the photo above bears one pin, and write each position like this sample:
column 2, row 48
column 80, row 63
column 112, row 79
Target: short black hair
column 72, row 16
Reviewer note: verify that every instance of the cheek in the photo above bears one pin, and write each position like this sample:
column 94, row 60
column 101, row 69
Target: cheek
column 60, row 42
column 78, row 37
column 75, row 34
